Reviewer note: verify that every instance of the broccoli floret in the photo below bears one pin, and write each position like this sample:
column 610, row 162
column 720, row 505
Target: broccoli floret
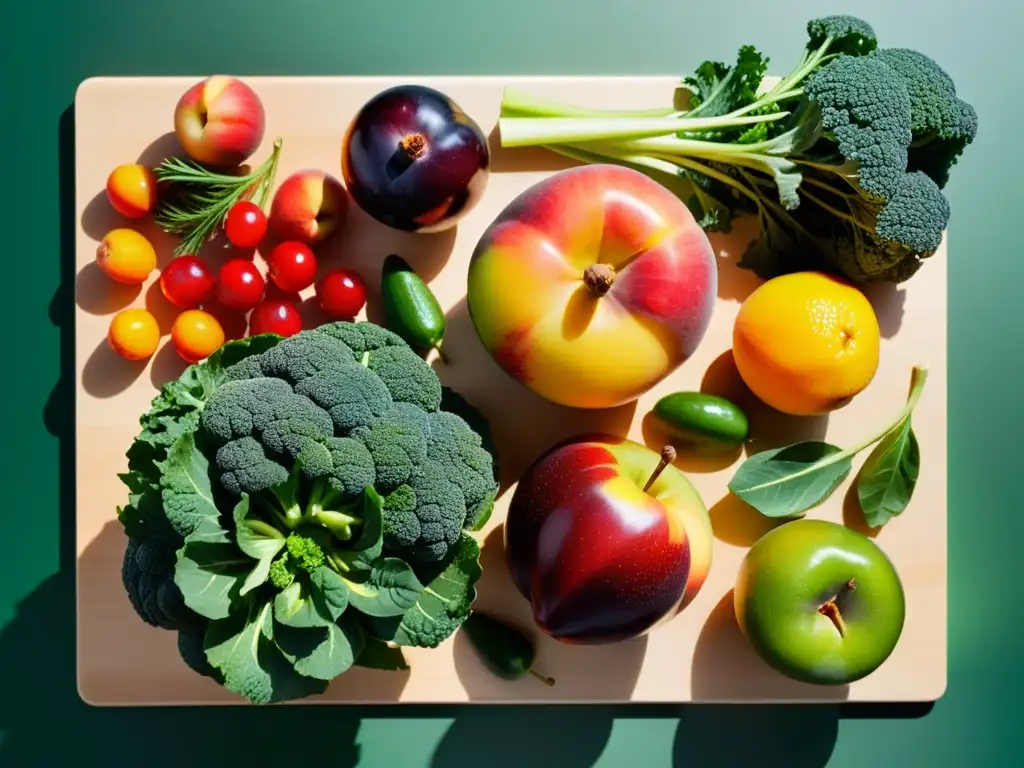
column 147, row 574
column 397, row 443
column 841, row 34
column 408, row 377
column 299, row 429
column 281, row 573
column 352, row 469
column 424, row 517
column 305, row 354
column 465, row 461
column 942, row 123
column 241, row 408
column 191, row 649
column 352, row 395
column 245, row 468
column 362, row 337
column 866, row 108
column 304, row 552
column 915, row 215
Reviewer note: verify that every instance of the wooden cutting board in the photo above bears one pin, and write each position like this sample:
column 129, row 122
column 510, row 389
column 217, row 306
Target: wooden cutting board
column 700, row 656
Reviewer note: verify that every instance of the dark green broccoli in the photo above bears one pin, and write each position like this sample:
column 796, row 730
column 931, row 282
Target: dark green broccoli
column 842, row 161
column 191, row 648
column 353, row 395
column 424, row 517
column 397, row 443
column 466, row 463
column 942, row 123
column 147, row 573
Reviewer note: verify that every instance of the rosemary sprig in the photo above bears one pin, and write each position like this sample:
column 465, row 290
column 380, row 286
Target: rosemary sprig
column 202, row 198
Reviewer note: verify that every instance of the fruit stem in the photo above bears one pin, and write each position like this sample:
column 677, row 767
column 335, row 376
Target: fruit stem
column 440, row 352
column 549, row 681
column 414, row 145
column 668, row 455
column 830, row 610
column 599, row 278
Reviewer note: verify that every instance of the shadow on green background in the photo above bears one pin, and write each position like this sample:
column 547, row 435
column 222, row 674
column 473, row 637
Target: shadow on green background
column 43, row 722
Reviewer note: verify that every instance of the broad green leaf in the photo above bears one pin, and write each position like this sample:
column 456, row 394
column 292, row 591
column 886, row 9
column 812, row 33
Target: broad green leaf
column 210, row 571
column 321, row 652
column 370, row 544
column 887, row 480
column 185, row 481
column 242, row 647
column 378, row 655
column 295, row 607
column 786, row 482
column 258, row 540
column 391, row 589
column 445, row 603
column 329, row 592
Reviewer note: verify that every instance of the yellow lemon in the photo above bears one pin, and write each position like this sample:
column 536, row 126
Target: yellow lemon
column 806, row 343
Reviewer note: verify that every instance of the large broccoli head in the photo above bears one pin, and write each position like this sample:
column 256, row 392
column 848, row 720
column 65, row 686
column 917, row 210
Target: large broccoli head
column 339, row 408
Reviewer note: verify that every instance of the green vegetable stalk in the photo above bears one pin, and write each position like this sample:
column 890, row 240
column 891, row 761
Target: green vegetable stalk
column 299, row 506
column 842, row 161
column 786, row 482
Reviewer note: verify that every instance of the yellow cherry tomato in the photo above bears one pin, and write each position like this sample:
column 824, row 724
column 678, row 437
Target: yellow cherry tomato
column 134, row 334
column 131, row 190
column 126, row 256
column 196, row 335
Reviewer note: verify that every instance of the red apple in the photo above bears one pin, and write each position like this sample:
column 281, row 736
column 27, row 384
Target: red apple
column 220, row 121
column 606, row 539
column 592, row 286
column 308, row 206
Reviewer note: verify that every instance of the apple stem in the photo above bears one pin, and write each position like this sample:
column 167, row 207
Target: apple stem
column 668, row 455
column 599, row 278
column 831, row 609
column 414, row 145
column 549, row 681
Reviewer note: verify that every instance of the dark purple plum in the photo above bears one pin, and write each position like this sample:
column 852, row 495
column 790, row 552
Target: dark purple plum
column 413, row 160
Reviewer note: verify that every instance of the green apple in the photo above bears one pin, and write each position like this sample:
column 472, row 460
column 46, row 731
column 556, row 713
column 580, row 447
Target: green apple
column 819, row 602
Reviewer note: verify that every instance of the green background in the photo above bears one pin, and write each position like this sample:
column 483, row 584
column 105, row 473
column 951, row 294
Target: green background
column 49, row 46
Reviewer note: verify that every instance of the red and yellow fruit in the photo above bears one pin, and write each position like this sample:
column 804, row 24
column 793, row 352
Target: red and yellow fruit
column 132, row 190
column 126, row 256
column 133, row 334
column 196, row 335
column 601, row 557
column 220, row 121
column 592, row 286
column 308, row 206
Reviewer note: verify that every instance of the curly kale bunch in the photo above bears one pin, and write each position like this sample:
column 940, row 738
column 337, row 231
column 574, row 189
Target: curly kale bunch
column 298, row 506
column 843, row 160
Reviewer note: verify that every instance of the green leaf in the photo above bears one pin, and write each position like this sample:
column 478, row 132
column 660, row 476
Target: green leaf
column 378, row 655
column 329, row 592
column 315, row 600
column 185, row 482
column 444, row 605
column 258, row 540
column 887, row 480
column 370, row 544
column 242, row 647
column 321, row 652
column 210, row 571
column 787, row 481
column 391, row 589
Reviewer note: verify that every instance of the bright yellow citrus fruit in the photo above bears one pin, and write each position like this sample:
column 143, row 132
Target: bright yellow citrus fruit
column 806, row 343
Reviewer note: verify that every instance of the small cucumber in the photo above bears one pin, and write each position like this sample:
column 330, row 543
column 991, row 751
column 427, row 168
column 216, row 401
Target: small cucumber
column 702, row 419
column 411, row 309
column 504, row 650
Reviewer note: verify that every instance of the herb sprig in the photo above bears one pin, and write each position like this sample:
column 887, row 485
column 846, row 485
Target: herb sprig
column 202, row 198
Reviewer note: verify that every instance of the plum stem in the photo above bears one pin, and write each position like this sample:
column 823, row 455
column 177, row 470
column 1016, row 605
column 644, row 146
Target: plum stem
column 549, row 681
column 830, row 610
column 668, row 455
column 414, row 145
column 599, row 278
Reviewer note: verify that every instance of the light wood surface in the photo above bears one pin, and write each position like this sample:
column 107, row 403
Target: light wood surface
column 699, row 656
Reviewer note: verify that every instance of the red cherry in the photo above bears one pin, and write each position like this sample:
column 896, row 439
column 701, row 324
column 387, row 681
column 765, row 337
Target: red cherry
column 245, row 225
column 240, row 285
column 280, row 317
column 187, row 282
column 292, row 266
column 341, row 293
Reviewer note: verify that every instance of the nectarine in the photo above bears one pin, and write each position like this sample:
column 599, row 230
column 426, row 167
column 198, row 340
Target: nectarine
column 308, row 206
column 220, row 121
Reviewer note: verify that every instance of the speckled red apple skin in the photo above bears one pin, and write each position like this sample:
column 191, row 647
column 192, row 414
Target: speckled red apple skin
column 572, row 556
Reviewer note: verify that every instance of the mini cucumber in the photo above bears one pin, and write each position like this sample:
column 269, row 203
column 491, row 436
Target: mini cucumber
column 702, row 419
column 504, row 650
column 411, row 309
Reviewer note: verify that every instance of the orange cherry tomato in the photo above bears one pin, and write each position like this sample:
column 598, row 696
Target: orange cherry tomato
column 196, row 335
column 133, row 334
column 126, row 256
column 131, row 190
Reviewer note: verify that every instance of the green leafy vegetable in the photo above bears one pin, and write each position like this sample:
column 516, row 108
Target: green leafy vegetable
column 842, row 160
column 887, row 480
column 286, row 494
column 786, row 482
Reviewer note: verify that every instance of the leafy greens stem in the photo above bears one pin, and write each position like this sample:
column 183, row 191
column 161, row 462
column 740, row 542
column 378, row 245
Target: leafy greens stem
column 833, row 210
column 530, row 131
column 917, row 382
column 338, row 523
column 288, row 522
column 263, row 529
column 522, row 104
